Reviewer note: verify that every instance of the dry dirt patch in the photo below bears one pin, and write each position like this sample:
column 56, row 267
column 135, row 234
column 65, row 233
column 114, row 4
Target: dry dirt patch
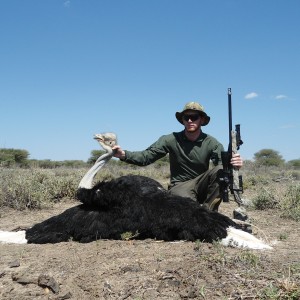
column 150, row 269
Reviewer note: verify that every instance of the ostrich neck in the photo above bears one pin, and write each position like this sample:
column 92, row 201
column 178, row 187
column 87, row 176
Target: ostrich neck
column 87, row 180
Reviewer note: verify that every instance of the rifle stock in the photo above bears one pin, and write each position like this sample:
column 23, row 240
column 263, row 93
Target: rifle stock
column 229, row 179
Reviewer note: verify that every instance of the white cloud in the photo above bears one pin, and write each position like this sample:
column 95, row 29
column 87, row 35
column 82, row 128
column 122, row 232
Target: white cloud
column 67, row 3
column 279, row 97
column 287, row 126
column 251, row 95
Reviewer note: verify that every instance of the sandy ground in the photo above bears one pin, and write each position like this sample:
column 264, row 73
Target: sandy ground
column 150, row 269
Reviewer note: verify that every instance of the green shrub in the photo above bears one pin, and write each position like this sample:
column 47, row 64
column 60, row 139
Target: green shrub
column 255, row 180
column 37, row 188
column 264, row 200
column 290, row 204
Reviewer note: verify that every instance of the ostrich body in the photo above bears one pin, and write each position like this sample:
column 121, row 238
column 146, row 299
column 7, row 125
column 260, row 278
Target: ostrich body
column 137, row 205
column 145, row 209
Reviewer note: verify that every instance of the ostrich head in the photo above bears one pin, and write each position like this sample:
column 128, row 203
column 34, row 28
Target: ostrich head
column 106, row 141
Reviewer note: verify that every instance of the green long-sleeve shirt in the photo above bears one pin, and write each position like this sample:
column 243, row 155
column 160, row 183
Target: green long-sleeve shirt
column 187, row 159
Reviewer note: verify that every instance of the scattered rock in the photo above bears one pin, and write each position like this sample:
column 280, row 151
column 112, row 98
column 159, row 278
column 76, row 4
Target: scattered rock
column 14, row 264
column 24, row 278
column 48, row 281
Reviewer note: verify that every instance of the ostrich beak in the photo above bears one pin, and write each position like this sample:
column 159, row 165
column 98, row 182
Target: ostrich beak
column 99, row 137
column 108, row 139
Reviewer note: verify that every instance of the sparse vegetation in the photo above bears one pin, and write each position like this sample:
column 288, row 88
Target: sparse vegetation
column 264, row 199
column 36, row 188
column 290, row 205
column 273, row 188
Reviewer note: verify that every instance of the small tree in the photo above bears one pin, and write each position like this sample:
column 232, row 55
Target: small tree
column 10, row 157
column 95, row 154
column 268, row 157
column 294, row 163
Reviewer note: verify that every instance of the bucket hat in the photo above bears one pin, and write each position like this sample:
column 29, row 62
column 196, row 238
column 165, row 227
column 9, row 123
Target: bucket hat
column 196, row 107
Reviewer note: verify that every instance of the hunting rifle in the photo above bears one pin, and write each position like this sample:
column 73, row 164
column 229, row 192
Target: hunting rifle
column 229, row 179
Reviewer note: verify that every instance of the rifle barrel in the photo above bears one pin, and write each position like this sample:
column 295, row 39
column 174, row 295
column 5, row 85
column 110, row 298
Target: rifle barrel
column 230, row 121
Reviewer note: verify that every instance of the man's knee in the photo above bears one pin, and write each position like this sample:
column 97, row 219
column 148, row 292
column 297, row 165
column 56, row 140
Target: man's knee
column 213, row 204
column 182, row 191
column 215, row 171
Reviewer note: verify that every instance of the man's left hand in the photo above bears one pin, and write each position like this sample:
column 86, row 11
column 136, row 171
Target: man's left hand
column 236, row 160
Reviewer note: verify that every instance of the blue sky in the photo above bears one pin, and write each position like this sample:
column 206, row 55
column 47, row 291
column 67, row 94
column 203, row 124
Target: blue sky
column 73, row 68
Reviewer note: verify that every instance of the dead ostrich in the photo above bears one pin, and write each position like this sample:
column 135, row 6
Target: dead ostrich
column 133, row 204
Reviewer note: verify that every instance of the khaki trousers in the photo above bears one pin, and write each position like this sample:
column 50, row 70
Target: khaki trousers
column 204, row 189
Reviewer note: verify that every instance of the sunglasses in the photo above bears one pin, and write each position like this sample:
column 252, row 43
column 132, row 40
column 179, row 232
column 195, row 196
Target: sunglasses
column 191, row 117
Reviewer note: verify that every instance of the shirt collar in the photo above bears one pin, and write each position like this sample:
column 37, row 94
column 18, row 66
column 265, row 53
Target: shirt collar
column 199, row 139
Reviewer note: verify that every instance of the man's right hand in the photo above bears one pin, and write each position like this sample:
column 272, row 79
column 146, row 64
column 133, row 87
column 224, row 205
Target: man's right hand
column 118, row 152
